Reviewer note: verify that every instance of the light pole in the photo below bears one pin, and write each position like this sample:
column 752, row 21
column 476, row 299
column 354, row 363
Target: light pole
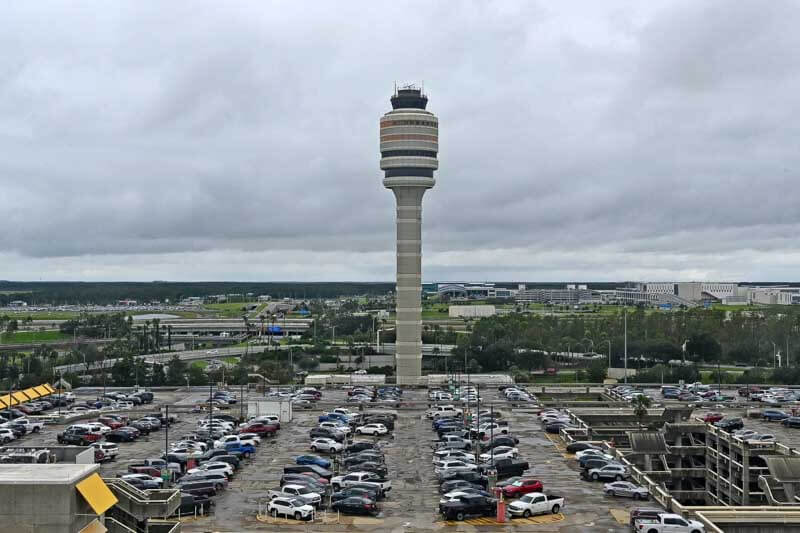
column 774, row 354
column 609, row 351
column 625, row 319
column 683, row 350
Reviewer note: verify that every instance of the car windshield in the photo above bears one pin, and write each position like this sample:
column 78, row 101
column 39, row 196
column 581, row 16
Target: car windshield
column 527, row 498
column 517, row 483
column 303, row 490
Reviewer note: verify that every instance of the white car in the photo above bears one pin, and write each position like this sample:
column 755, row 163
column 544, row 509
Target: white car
column 213, row 466
column 766, row 437
column 109, row 449
column 590, row 451
column 290, row 508
column 745, row 434
column 341, row 428
column 143, row 477
column 227, row 439
column 448, row 466
column 326, row 445
column 627, row 489
column 251, row 438
column 6, row 435
column 452, row 496
column 501, row 452
column 372, row 429
column 458, row 455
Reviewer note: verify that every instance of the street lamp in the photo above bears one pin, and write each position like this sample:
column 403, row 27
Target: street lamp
column 774, row 353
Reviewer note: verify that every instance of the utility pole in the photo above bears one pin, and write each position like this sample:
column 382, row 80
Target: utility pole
column 625, row 319
column 166, row 437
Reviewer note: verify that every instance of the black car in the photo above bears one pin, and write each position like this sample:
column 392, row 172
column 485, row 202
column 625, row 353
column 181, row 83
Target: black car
column 791, row 422
column 356, row 505
column 120, row 436
column 506, row 467
column 212, row 454
column 730, row 424
column 360, row 446
column 458, row 484
column 360, row 492
column 471, row 477
column 18, row 429
column 362, row 457
column 232, row 460
column 580, row 446
column 501, row 440
column 308, row 469
column 387, row 421
column 555, row 427
column 371, row 466
column 468, row 505
column 317, row 433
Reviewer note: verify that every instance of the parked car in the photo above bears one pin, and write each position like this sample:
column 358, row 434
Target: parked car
column 713, row 417
column 368, row 478
column 536, row 503
column 300, row 492
column 458, row 484
column 361, row 492
column 627, row 489
column 730, row 424
column 356, row 505
column 668, row 523
column 468, row 505
column 522, row 486
column 792, row 422
column 372, row 429
column 773, row 415
column 615, row 472
column 312, row 460
column 290, row 508
column 574, row 447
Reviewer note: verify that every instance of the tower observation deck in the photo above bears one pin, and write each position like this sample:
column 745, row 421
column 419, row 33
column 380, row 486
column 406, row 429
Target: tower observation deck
column 409, row 143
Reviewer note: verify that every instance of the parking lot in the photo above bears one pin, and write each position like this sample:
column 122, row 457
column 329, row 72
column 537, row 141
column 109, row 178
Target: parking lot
column 413, row 501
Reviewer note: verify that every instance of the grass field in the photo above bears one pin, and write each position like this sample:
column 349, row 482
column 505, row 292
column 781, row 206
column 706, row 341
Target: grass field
column 228, row 310
column 22, row 337
column 42, row 315
column 200, row 363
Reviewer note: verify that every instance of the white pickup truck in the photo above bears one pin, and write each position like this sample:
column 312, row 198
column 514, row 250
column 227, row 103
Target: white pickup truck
column 668, row 523
column 299, row 492
column 31, row 426
column 536, row 503
column 367, row 478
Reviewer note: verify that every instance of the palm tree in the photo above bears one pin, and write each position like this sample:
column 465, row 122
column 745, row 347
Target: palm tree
column 640, row 405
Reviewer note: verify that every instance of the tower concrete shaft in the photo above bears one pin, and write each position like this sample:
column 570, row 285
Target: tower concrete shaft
column 409, row 142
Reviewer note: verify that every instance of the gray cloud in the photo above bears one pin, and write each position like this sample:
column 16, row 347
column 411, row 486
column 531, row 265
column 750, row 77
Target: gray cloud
column 194, row 141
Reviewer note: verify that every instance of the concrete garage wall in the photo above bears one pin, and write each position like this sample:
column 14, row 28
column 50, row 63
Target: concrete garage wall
column 38, row 508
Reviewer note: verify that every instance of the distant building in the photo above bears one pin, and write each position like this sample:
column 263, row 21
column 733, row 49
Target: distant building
column 774, row 295
column 192, row 300
column 472, row 291
column 127, row 302
column 693, row 291
column 18, row 303
column 471, row 311
column 570, row 295
column 264, row 298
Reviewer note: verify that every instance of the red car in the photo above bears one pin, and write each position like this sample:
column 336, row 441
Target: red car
column 713, row 417
column 523, row 486
column 262, row 430
column 110, row 422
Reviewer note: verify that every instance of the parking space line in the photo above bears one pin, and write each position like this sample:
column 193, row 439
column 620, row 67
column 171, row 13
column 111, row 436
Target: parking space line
column 620, row 515
column 559, row 446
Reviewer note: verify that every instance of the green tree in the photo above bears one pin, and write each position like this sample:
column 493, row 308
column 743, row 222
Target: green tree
column 596, row 373
column 640, row 405
column 176, row 371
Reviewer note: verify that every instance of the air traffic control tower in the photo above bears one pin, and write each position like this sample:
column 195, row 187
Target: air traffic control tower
column 409, row 145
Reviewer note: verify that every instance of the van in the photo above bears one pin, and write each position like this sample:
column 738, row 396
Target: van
column 200, row 488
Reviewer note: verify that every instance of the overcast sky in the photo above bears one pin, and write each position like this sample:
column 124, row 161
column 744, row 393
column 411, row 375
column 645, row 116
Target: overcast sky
column 608, row 140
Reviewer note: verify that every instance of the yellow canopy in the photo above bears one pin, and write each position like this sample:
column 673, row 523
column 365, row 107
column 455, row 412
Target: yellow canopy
column 96, row 493
column 31, row 393
column 42, row 390
column 20, row 397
